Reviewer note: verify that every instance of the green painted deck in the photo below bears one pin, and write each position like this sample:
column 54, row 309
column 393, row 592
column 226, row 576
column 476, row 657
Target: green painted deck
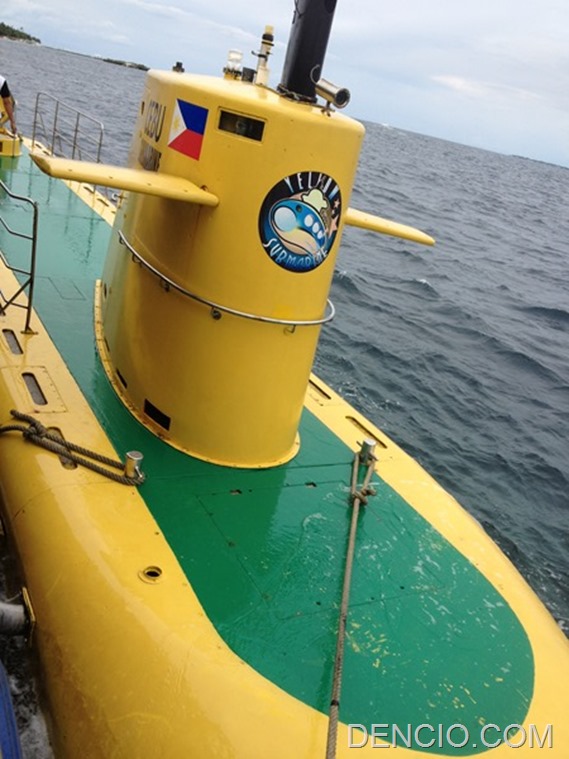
column 429, row 640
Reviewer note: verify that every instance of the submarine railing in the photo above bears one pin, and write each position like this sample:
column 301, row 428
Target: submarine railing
column 28, row 277
column 217, row 308
column 67, row 136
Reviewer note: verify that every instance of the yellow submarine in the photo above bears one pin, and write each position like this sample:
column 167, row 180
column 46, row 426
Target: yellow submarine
column 217, row 555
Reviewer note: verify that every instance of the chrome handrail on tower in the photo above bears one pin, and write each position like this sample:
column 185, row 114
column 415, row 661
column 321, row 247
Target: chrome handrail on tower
column 217, row 308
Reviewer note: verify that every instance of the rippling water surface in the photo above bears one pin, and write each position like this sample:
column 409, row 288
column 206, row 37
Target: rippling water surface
column 460, row 352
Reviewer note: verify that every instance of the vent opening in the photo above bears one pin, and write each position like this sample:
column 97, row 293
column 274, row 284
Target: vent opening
column 150, row 574
column 12, row 341
column 34, row 389
column 156, row 415
column 66, row 462
column 365, row 430
column 321, row 392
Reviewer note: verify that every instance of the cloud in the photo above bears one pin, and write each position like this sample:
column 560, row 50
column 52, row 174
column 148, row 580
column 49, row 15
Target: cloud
column 484, row 90
column 437, row 66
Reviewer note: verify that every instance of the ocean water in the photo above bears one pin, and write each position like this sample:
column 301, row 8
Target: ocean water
column 460, row 353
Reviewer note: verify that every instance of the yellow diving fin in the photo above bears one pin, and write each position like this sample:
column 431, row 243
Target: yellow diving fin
column 135, row 180
column 364, row 220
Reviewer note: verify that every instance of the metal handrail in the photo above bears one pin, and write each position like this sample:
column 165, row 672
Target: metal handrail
column 68, row 120
column 217, row 308
column 29, row 282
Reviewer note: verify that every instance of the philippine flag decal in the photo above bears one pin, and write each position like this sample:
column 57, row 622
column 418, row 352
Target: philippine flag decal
column 188, row 127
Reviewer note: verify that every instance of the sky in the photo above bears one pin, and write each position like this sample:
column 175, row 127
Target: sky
column 492, row 74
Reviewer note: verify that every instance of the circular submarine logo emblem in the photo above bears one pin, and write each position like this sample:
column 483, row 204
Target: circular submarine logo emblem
column 299, row 219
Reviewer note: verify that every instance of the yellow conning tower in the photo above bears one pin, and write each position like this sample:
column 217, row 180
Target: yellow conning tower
column 216, row 282
column 211, row 313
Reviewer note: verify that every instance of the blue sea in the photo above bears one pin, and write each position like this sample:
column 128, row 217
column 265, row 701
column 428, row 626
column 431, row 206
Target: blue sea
column 460, row 352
